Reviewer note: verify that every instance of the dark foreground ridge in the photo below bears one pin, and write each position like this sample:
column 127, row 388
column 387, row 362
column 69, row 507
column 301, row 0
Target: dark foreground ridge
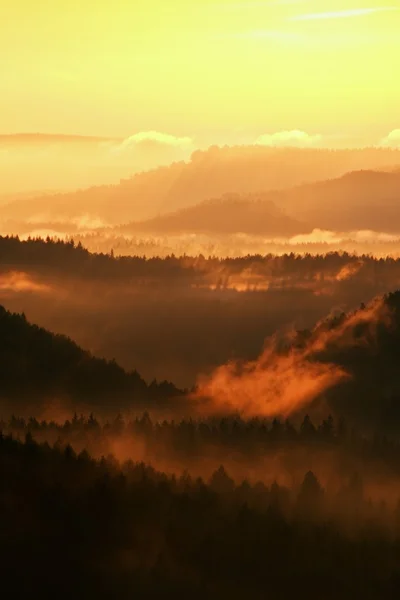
column 38, row 367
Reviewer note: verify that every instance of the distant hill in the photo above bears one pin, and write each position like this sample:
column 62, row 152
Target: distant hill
column 21, row 196
column 37, row 161
column 233, row 213
column 44, row 138
column 209, row 174
column 38, row 367
column 113, row 204
column 357, row 200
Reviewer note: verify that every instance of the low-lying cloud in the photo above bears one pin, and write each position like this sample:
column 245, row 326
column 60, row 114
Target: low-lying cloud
column 294, row 138
column 155, row 137
column 392, row 140
column 17, row 281
column 282, row 383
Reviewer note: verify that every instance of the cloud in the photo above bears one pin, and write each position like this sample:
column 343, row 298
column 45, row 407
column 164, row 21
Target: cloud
column 155, row 137
column 16, row 281
column 348, row 271
column 281, row 383
column 392, row 140
column 289, row 138
column 150, row 149
column 342, row 14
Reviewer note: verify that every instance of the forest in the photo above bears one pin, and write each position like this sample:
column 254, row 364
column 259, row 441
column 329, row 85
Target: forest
column 265, row 472
column 36, row 365
column 104, row 528
column 158, row 315
column 68, row 258
column 350, row 360
column 199, row 300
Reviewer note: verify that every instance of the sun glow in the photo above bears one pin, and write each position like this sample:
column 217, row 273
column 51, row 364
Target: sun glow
column 118, row 69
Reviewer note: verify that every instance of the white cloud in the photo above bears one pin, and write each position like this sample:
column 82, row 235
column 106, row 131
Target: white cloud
column 342, row 14
column 150, row 149
column 156, row 137
column 292, row 138
column 392, row 140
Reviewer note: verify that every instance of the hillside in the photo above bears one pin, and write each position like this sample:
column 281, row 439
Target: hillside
column 209, row 174
column 251, row 213
column 366, row 345
column 138, row 197
column 347, row 365
column 357, row 200
column 39, row 367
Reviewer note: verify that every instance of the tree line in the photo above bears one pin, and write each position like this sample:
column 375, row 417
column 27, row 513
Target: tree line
column 70, row 257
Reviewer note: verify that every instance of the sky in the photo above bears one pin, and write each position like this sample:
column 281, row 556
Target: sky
column 212, row 71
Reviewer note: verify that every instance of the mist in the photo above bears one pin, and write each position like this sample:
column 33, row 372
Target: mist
column 199, row 300
column 37, row 163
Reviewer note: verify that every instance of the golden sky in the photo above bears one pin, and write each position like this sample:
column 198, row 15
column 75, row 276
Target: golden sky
column 215, row 70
